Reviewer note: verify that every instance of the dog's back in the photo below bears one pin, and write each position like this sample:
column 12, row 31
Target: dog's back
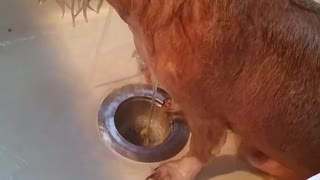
column 272, row 85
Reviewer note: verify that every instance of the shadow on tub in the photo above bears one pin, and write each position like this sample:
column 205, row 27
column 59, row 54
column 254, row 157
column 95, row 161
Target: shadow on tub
column 225, row 164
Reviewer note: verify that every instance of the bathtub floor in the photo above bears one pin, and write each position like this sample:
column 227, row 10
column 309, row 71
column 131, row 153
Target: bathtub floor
column 52, row 80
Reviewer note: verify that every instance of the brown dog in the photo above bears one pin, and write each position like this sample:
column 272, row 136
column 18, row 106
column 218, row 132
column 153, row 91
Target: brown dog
column 252, row 66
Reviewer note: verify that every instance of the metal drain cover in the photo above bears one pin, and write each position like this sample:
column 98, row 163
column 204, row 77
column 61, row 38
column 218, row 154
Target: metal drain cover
column 125, row 113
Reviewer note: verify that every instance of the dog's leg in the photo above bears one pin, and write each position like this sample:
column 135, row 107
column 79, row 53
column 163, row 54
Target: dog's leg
column 264, row 163
column 148, row 77
column 206, row 135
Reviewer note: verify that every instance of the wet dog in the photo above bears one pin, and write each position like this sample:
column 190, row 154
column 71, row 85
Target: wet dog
column 251, row 66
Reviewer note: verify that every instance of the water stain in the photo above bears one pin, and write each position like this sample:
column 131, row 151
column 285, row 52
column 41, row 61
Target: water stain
column 10, row 163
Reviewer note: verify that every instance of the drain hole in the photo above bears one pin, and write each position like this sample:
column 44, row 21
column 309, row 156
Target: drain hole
column 132, row 116
column 124, row 114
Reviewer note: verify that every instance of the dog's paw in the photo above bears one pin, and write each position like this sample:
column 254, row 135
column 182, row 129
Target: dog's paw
column 162, row 173
column 185, row 169
column 171, row 108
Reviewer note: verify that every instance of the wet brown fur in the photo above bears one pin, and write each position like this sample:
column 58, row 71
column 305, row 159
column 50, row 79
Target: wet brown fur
column 249, row 65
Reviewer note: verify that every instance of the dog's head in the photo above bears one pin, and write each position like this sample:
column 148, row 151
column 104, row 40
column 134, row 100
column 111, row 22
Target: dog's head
column 166, row 33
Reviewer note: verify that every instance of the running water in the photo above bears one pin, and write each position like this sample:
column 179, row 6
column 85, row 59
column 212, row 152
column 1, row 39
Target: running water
column 145, row 133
